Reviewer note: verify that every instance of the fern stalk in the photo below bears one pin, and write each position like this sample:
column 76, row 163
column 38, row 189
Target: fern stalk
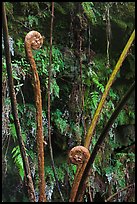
column 107, row 88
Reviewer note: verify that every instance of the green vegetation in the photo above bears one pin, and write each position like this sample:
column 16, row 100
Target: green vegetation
column 76, row 90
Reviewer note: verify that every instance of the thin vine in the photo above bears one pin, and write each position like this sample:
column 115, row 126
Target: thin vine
column 49, row 126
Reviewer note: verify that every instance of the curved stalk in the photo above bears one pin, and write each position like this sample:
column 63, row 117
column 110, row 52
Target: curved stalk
column 34, row 40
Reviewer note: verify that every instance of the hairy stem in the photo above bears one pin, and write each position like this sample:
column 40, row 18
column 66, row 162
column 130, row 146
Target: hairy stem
column 34, row 40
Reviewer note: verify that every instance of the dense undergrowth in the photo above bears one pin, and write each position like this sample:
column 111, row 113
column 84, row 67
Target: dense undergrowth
column 103, row 30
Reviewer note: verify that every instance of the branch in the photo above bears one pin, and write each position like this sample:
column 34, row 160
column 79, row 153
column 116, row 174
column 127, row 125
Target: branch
column 30, row 186
column 123, row 189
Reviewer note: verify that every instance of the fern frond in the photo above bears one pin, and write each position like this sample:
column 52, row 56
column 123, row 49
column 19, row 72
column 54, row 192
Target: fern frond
column 18, row 160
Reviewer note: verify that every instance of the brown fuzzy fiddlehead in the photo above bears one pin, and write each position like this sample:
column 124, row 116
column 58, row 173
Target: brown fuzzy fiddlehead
column 34, row 40
column 78, row 155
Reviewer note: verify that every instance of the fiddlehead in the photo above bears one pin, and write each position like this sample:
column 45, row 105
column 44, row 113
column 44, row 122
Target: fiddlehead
column 34, row 40
column 79, row 155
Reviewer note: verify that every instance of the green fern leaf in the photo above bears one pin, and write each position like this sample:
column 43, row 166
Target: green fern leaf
column 18, row 160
